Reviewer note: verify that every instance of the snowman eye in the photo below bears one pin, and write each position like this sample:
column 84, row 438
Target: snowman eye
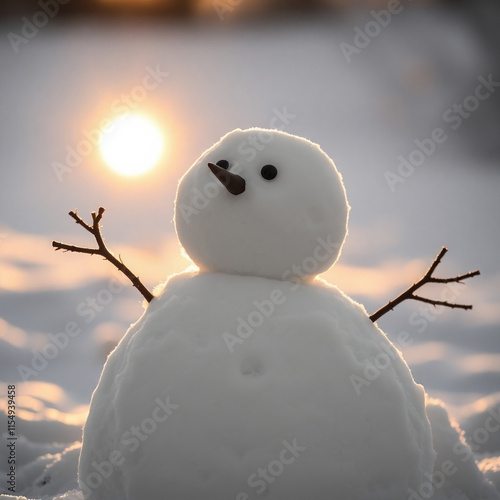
column 269, row 172
column 223, row 164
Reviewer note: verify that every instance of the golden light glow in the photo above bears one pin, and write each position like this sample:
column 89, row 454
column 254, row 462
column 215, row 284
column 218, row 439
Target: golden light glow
column 138, row 3
column 131, row 145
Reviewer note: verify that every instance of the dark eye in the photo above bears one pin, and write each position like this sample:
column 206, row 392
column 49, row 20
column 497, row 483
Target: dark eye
column 269, row 172
column 223, row 164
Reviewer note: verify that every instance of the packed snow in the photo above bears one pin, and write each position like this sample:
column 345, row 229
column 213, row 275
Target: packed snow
column 228, row 371
column 223, row 374
column 288, row 227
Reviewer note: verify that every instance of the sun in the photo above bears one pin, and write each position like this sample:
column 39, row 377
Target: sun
column 131, row 145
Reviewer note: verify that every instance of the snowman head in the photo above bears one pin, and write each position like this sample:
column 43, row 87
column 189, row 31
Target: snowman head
column 262, row 203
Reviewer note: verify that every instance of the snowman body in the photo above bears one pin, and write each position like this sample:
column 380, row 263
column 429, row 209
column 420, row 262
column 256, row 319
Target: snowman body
column 266, row 384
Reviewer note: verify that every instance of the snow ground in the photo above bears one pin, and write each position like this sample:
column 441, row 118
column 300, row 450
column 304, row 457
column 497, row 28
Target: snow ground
column 364, row 114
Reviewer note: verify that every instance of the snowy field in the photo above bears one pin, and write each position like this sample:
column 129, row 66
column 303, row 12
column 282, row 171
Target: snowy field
column 61, row 314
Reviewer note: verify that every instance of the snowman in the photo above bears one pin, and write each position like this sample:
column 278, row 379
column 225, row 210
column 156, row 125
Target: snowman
column 250, row 377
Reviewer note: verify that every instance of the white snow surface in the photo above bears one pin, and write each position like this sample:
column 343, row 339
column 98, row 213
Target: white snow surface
column 228, row 379
column 232, row 397
column 456, row 473
column 274, row 225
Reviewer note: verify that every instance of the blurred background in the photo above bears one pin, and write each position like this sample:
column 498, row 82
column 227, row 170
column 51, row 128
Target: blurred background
column 108, row 102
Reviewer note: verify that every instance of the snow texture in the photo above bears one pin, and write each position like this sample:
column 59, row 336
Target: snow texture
column 225, row 373
column 230, row 395
column 274, row 225
column 456, row 474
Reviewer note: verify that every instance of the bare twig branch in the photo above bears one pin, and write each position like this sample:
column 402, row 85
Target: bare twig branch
column 427, row 278
column 101, row 249
column 441, row 302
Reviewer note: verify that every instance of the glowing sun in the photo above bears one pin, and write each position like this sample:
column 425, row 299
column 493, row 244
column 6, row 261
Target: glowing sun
column 131, row 145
